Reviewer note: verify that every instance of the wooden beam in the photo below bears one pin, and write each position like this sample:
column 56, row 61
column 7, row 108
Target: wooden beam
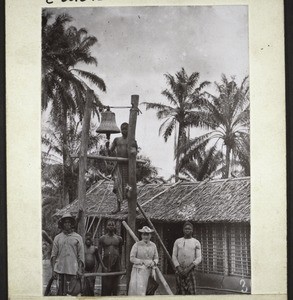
column 47, row 237
column 95, row 232
column 159, row 273
column 83, row 159
column 92, row 222
column 132, row 151
column 163, row 281
column 110, row 158
column 105, row 274
column 86, row 223
column 131, row 233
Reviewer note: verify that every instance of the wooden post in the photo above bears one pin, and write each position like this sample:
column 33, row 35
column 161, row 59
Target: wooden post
column 83, row 159
column 225, row 250
column 158, row 237
column 159, row 273
column 131, row 233
column 131, row 179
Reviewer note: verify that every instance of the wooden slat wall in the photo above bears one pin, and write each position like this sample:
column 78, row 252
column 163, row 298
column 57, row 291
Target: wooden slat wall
column 225, row 249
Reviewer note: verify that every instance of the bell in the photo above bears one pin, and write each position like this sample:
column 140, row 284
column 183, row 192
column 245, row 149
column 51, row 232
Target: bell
column 108, row 124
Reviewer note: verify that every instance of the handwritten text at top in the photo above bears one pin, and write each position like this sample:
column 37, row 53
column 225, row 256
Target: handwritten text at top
column 62, row 1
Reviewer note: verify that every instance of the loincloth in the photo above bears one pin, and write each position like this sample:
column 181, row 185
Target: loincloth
column 112, row 263
column 121, row 177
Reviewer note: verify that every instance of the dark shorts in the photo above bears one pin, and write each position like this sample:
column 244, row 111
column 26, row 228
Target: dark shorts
column 68, row 285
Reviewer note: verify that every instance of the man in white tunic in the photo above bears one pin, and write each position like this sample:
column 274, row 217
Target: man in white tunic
column 186, row 255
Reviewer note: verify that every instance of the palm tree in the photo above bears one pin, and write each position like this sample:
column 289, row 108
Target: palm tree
column 53, row 156
column 64, row 85
column 227, row 115
column 202, row 163
column 183, row 96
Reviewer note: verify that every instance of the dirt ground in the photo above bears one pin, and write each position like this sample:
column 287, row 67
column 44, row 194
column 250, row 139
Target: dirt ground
column 122, row 286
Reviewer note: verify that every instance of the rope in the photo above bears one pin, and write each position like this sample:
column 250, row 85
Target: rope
column 122, row 107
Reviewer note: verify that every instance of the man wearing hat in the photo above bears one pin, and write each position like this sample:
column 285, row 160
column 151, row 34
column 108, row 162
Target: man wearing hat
column 186, row 255
column 67, row 258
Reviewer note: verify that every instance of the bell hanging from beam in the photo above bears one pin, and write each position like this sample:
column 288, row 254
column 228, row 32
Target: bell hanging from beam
column 108, row 123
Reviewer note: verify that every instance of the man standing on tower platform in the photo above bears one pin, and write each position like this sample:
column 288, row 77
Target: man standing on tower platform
column 120, row 173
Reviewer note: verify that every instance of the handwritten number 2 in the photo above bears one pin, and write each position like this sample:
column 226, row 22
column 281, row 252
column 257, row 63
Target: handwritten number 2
column 244, row 287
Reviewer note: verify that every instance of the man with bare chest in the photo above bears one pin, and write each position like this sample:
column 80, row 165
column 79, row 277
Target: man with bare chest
column 120, row 144
column 92, row 260
column 120, row 147
column 111, row 243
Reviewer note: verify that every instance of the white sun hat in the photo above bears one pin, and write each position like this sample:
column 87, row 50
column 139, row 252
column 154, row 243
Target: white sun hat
column 145, row 229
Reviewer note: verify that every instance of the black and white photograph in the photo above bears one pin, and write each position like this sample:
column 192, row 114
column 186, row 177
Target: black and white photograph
column 145, row 158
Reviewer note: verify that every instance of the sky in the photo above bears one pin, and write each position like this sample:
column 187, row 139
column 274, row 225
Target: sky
column 138, row 45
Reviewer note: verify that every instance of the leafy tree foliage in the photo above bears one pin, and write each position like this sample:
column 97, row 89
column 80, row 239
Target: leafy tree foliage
column 52, row 158
column 227, row 117
column 65, row 86
column 146, row 173
column 183, row 94
column 206, row 162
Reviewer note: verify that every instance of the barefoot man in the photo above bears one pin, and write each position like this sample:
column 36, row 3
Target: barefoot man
column 111, row 243
column 120, row 146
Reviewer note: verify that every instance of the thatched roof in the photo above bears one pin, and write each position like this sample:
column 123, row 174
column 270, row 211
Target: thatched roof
column 225, row 200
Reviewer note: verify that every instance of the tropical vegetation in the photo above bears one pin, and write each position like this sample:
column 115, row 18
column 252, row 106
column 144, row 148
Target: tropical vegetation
column 224, row 116
column 64, row 86
column 227, row 117
column 221, row 116
column 183, row 94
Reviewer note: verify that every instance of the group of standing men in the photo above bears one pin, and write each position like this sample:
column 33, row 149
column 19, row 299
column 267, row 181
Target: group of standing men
column 71, row 258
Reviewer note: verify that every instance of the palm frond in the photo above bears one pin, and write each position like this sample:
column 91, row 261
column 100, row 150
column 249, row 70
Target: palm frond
column 99, row 82
column 157, row 106
column 171, row 98
column 169, row 129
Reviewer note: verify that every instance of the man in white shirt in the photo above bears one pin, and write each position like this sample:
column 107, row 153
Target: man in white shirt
column 186, row 255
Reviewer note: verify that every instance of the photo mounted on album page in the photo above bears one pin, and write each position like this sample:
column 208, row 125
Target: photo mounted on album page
column 148, row 143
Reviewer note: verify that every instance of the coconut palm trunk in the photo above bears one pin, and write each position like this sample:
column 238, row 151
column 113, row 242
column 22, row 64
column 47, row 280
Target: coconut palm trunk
column 65, row 154
column 228, row 161
column 180, row 143
column 184, row 95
